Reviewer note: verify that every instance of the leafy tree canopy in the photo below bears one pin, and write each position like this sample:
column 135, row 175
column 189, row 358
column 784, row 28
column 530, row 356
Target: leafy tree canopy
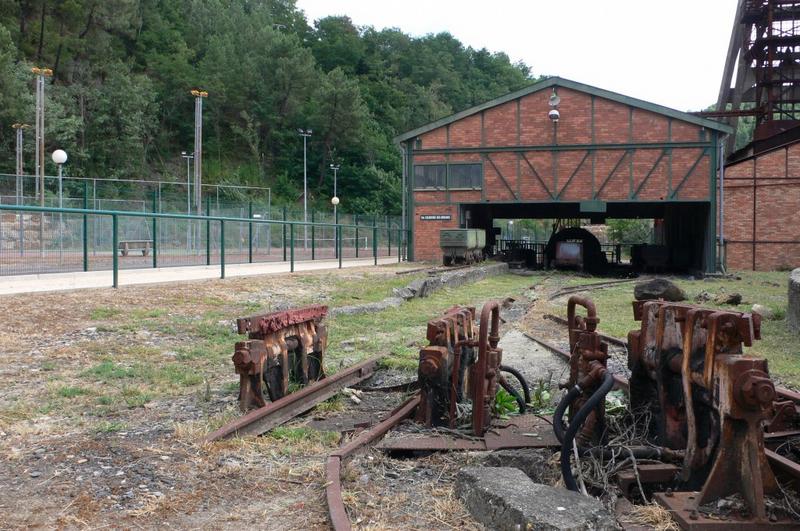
column 119, row 99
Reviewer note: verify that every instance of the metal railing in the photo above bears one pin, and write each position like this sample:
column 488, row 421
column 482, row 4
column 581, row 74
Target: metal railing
column 35, row 240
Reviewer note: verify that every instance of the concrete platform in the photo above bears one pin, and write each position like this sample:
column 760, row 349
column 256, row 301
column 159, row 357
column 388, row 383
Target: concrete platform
column 11, row 285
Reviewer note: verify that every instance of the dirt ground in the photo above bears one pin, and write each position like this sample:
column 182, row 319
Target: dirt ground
column 104, row 395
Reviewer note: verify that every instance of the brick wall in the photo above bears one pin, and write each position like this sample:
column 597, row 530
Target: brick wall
column 605, row 174
column 762, row 199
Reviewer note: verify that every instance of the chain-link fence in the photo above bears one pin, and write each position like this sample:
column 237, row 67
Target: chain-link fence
column 37, row 239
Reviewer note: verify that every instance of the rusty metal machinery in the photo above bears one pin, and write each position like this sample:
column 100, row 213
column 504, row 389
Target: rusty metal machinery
column 282, row 348
column 587, row 366
column 709, row 401
column 461, row 368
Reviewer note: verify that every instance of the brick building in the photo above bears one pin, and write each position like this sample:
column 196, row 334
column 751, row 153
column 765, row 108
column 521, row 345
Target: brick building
column 761, row 195
column 607, row 156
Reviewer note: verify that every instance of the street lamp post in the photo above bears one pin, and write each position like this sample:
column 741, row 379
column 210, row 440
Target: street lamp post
column 40, row 74
column 60, row 157
column 198, row 146
column 305, row 133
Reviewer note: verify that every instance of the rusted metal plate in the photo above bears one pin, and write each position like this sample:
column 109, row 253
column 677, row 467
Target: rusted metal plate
column 648, row 474
column 433, row 443
column 272, row 322
column 276, row 413
column 525, row 431
column 679, row 503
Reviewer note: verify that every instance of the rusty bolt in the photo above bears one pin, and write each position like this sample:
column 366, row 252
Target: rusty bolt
column 668, row 494
column 693, row 515
column 755, row 389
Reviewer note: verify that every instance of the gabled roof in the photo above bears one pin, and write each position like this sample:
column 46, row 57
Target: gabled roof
column 574, row 85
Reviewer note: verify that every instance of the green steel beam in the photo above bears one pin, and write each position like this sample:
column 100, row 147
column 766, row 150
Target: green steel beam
column 538, row 177
column 649, row 173
column 564, row 147
column 611, row 174
column 574, row 173
column 677, row 189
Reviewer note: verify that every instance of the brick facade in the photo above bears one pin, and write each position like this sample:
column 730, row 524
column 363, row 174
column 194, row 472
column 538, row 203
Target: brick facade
column 602, row 149
column 762, row 199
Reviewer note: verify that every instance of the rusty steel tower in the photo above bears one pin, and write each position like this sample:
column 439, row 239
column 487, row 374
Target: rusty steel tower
column 764, row 54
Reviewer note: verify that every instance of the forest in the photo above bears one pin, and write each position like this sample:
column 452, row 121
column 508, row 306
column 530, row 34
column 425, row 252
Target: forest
column 119, row 99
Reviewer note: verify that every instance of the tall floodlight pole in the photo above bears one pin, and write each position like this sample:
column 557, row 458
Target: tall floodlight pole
column 188, row 157
column 20, row 185
column 41, row 74
column 305, row 133
column 198, row 147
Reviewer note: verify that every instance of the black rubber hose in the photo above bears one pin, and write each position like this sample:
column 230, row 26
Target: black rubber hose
column 521, row 379
column 575, row 425
column 558, row 416
column 513, row 392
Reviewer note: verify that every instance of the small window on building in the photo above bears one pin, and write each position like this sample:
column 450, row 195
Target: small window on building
column 466, row 176
column 430, row 176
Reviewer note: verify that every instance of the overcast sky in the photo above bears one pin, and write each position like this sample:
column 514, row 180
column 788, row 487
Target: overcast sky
column 671, row 53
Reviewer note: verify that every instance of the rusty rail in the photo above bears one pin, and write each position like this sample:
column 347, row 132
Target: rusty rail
column 276, row 413
column 333, row 487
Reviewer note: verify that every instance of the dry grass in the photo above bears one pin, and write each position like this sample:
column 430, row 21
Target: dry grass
column 652, row 515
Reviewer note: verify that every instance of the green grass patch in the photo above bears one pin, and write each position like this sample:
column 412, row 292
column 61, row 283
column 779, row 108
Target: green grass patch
column 108, row 371
column 69, row 391
column 135, row 397
column 778, row 345
column 304, row 435
column 98, row 314
column 392, row 330
column 107, row 426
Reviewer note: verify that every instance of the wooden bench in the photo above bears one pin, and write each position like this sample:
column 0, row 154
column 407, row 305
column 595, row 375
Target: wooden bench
column 126, row 246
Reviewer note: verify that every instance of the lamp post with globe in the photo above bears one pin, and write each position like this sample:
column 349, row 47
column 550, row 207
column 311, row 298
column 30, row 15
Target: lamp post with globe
column 59, row 156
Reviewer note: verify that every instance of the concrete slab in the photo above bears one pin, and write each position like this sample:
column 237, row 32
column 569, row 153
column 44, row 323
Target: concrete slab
column 128, row 277
column 506, row 499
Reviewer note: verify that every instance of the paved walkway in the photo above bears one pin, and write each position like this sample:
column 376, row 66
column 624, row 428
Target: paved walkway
column 127, row 277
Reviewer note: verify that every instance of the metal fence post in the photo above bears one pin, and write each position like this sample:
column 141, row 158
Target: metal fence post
column 283, row 238
column 115, row 250
column 291, row 242
column 222, row 248
column 313, row 251
column 84, row 229
column 336, row 235
column 389, row 239
column 155, row 229
column 356, row 218
column 250, row 233
column 339, row 243
column 399, row 245
column 375, row 243
column 208, row 230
